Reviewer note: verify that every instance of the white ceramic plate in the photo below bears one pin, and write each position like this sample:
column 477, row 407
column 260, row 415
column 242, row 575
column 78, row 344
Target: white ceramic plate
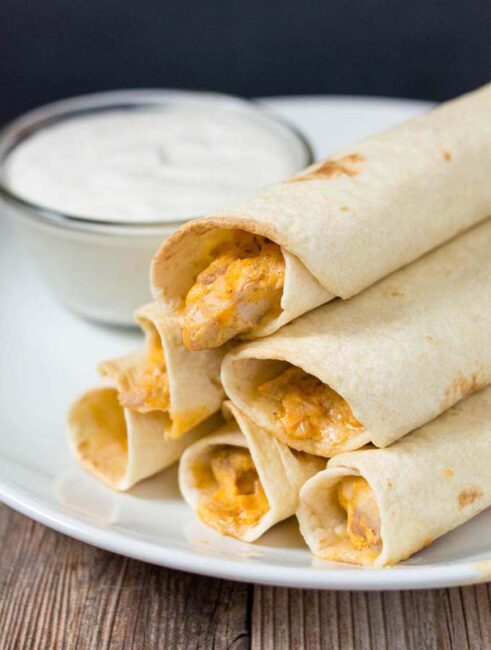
column 47, row 356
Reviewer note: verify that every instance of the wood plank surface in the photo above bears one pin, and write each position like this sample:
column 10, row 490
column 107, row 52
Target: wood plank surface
column 57, row 593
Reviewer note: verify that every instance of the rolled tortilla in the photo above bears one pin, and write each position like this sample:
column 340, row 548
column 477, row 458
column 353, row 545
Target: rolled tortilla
column 380, row 506
column 241, row 481
column 164, row 376
column 340, row 226
column 380, row 365
column 120, row 446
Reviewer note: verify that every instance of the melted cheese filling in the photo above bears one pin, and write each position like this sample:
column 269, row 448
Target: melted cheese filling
column 236, row 498
column 149, row 389
column 307, row 409
column 356, row 497
column 242, row 285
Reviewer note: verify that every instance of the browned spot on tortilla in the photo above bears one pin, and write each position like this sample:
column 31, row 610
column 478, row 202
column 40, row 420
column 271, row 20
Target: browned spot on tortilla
column 389, row 484
column 394, row 293
column 467, row 497
column 344, row 208
column 447, row 155
column 330, row 168
column 461, row 387
column 448, row 473
column 434, row 340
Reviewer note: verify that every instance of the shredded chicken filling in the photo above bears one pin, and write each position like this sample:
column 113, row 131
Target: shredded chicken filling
column 308, row 409
column 237, row 499
column 362, row 515
column 149, row 389
column 241, row 287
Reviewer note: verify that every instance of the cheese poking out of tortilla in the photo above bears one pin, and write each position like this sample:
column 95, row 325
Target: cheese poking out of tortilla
column 148, row 390
column 235, row 497
column 357, row 539
column 242, row 286
column 363, row 519
column 308, row 409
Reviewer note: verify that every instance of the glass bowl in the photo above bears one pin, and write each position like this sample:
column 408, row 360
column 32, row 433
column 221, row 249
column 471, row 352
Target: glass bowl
column 100, row 269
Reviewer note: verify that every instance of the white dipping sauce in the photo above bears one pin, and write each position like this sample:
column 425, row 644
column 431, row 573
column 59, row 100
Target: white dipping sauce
column 148, row 164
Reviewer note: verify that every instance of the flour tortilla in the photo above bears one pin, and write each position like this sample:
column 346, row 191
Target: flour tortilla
column 281, row 471
column 348, row 222
column 400, row 353
column 425, row 485
column 194, row 378
column 121, row 447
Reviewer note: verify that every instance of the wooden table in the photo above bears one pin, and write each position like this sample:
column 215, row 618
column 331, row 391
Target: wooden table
column 56, row 592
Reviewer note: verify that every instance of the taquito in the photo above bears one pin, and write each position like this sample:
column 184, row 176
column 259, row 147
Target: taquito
column 241, row 481
column 164, row 376
column 120, row 446
column 375, row 367
column 333, row 230
column 380, row 506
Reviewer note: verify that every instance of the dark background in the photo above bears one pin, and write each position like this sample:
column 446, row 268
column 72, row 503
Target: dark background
column 428, row 49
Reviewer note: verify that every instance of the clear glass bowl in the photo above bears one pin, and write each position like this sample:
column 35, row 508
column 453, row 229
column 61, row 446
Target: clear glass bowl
column 100, row 269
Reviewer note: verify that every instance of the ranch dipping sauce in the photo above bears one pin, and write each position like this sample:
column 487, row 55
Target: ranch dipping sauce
column 148, row 164
column 108, row 176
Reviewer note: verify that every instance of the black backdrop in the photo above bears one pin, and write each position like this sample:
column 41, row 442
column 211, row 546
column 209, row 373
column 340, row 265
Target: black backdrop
column 421, row 48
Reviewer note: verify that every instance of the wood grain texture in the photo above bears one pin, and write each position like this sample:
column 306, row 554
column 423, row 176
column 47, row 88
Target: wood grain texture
column 413, row 620
column 56, row 593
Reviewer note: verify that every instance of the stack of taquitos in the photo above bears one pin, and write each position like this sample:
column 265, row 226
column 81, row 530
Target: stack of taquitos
column 371, row 370
column 368, row 370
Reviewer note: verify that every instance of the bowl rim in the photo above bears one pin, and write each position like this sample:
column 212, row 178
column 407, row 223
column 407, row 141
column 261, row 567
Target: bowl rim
column 32, row 121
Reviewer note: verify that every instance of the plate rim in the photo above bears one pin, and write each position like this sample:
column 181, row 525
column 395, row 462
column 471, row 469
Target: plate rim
column 351, row 579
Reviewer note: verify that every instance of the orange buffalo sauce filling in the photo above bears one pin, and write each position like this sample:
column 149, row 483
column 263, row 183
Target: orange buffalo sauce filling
column 236, row 497
column 308, row 409
column 239, row 288
column 149, row 390
column 362, row 515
